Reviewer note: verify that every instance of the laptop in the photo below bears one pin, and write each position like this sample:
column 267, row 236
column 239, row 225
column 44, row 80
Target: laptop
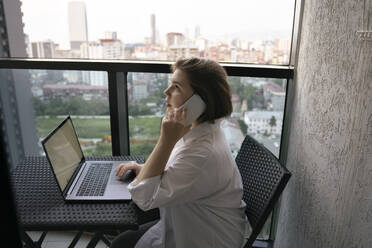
column 79, row 179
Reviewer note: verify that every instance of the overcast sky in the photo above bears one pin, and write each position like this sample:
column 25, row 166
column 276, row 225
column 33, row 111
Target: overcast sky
column 245, row 19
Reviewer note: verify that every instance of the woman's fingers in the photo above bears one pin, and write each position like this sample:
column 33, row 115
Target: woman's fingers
column 175, row 115
column 184, row 115
column 120, row 170
column 123, row 168
column 171, row 114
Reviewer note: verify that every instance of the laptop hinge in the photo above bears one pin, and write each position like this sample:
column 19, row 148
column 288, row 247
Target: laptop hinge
column 72, row 179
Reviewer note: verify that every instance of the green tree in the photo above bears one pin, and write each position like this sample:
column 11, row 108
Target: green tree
column 278, row 81
column 245, row 91
column 102, row 150
column 73, row 106
column 236, row 86
column 150, row 99
column 148, row 127
column 98, row 107
column 143, row 149
column 56, row 107
column 250, row 93
column 135, row 110
column 39, row 106
column 161, row 85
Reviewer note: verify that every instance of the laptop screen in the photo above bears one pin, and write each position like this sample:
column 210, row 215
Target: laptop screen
column 64, row 152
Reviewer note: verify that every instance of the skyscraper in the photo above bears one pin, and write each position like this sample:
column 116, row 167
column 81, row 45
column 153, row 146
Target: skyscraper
column 77, row 24
column 153, row 30
column 16, row 112
column 43, row 49
column 174, row 38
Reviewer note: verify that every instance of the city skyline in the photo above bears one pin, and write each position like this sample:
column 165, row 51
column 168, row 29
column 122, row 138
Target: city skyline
column 46, row 19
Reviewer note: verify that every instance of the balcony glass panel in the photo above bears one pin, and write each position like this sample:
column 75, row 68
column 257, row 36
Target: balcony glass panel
column 81, row 94
column 241, row 31
column 146, row 108
column 258, row 109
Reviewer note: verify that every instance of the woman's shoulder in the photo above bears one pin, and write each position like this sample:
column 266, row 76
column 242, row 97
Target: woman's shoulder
column 202, row 143
column 201, row 147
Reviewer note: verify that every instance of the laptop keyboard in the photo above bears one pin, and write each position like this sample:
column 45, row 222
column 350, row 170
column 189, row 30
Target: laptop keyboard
column 95, row 181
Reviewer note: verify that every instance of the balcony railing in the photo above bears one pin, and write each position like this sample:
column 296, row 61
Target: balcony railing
column 117, row 78
column 117, row 86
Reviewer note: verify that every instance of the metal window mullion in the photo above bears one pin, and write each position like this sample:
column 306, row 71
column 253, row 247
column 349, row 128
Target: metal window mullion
column 118, row 99
column 284, row 140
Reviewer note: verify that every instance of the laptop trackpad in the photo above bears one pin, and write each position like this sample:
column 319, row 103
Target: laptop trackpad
column 116, row 188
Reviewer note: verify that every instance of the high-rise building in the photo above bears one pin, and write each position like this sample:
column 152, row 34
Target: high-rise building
column 91, row 50
column 43, row 49
column 182, row 51
column 174, row 38
column 153, row 29
column 28, row 46
column 16, row 109
column 77, row 23
column 95, row 78
column 104, row 49
column 268, row 51
column 12, row 36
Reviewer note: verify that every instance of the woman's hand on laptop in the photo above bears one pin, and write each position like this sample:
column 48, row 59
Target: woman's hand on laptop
column 123, row 168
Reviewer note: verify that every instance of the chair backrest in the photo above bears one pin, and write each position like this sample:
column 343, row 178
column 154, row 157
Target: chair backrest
column 264, row 179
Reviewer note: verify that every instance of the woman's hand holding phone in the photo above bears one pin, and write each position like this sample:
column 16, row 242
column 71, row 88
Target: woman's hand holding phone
column 173, row 126
column 172, row 129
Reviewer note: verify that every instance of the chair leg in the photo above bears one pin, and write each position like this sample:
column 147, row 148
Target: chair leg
column 76, row 239
column 96, row 238
column 105, row 240
column 93, row 242
column 29, row 242
column 41, row 239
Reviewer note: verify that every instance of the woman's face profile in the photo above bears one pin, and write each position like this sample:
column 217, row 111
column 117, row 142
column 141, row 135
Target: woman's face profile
column 179, row 90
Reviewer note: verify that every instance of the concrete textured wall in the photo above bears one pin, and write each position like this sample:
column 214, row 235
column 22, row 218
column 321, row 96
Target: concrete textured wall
column 328, row 201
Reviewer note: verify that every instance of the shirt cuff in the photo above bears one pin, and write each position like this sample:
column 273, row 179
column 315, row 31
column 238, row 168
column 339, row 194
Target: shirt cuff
column 143, row 193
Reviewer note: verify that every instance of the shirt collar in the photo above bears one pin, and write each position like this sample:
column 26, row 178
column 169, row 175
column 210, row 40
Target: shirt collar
column 202, row 129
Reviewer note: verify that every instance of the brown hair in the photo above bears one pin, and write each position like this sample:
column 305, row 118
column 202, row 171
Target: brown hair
column 209, row 80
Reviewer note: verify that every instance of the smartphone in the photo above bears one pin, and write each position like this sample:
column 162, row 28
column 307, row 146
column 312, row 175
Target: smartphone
column 195, row 108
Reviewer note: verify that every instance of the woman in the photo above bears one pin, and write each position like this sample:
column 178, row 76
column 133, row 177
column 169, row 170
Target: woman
column 190, row 175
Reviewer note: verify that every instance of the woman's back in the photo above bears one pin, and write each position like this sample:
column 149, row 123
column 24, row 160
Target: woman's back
column 199, row 195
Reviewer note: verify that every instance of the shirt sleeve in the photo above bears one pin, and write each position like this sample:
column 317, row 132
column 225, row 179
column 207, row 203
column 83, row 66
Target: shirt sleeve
column 175, row 185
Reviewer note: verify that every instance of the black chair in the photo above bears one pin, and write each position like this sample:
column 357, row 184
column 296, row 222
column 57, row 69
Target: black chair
column 264, row 179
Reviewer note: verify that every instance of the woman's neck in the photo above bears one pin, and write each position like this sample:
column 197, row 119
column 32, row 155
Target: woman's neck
column 194, row 124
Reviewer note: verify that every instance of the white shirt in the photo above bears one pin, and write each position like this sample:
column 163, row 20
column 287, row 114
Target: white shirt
column 199, row 195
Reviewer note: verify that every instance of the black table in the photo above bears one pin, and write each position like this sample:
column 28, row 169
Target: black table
column 40, row 206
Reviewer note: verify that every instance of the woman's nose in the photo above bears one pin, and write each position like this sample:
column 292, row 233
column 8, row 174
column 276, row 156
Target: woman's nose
column 166, row 92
